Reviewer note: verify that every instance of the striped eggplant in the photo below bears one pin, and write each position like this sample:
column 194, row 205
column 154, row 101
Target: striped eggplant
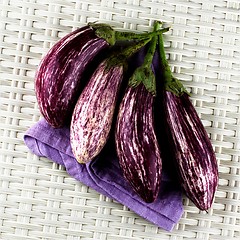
column 188, row 140
column 136, row 143
column 93, row 113
column 193, row 152
column 60, row 75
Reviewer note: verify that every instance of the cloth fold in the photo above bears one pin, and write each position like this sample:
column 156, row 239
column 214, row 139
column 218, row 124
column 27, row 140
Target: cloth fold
column 104, row 175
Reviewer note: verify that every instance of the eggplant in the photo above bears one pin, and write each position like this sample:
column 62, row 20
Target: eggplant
column 60, row 76
column 192, row 151
column 136, row 143
column 93, row 114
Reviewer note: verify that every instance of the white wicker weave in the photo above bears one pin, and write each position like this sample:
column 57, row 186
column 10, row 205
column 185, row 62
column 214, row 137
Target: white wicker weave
column 38, row 200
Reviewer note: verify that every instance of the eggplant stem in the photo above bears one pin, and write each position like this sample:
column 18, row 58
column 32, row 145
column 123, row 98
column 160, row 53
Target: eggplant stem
column 152, row 47
column 164, row 62
column 138, row 36
column 129, row 51
column 171, row 83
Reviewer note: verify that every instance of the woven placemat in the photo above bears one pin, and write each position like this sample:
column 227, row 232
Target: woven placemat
column 38, row 200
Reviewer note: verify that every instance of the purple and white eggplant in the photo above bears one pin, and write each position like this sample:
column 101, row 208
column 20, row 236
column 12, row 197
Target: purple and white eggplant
column 59, row 77
column 93, row 113
column 137, row 147
column 192, row 150
column 194, row 155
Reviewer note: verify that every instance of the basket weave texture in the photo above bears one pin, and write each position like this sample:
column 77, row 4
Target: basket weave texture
column 38, row 200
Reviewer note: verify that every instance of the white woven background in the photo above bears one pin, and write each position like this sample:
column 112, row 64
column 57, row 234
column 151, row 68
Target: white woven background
column 38, row 200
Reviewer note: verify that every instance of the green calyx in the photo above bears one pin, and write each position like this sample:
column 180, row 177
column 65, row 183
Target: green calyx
column 104, row 31
column 171, row 83
column 175, row 86
column 144, row 74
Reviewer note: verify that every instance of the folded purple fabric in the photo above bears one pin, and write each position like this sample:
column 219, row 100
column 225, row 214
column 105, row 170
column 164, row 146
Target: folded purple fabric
column 104, row 175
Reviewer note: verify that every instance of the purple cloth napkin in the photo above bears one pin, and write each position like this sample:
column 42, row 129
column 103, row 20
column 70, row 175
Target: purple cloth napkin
column 104, row 175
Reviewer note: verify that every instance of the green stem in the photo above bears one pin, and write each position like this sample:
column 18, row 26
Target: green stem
column 152, row 47
column 138, row 36
column 104, row 31
column 170, row 82
column 163, row 60
column 129, row 51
